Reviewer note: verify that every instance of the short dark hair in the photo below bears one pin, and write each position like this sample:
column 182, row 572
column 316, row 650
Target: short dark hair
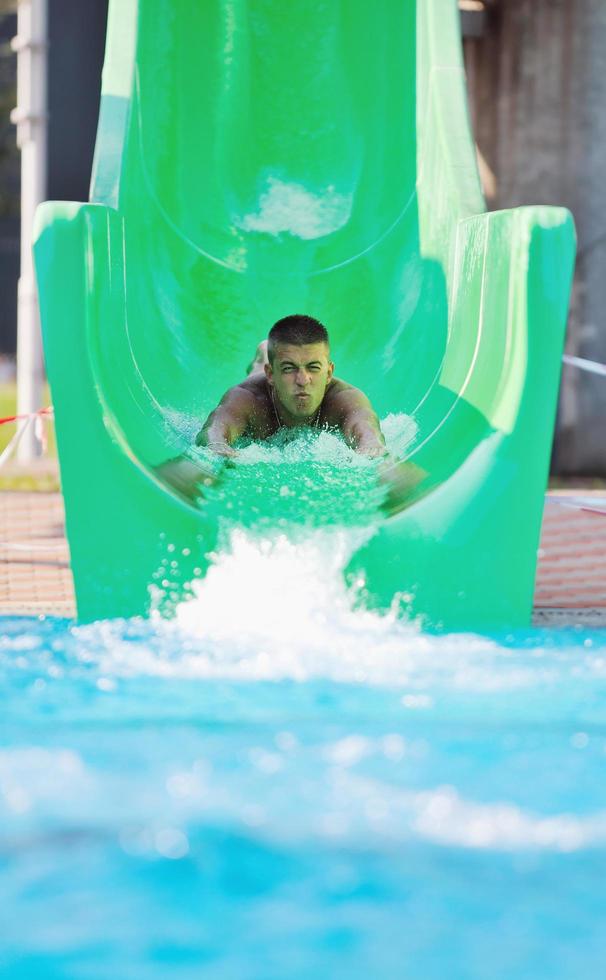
column 296, row 329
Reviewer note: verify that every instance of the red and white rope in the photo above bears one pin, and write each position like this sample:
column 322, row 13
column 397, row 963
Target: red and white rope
column 26, row 419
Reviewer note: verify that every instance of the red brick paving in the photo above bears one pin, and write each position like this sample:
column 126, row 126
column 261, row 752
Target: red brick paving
column 572, row 557
column 35, row 575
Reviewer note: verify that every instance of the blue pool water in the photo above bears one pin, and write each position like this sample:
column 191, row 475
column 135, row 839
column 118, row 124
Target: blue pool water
column 297, row 787
column 280, row 783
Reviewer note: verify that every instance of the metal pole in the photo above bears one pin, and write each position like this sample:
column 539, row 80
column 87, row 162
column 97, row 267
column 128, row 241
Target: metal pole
column 30, row 117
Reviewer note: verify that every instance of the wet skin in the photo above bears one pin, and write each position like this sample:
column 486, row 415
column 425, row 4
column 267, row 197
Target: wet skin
column 298, row 389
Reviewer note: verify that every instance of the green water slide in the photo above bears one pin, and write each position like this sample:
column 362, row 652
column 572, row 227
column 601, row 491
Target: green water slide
column 254, row 159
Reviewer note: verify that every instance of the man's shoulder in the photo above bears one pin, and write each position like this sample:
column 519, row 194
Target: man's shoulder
column 342, row 393
column 342, row 401
column 249, row 400
column 250, row 390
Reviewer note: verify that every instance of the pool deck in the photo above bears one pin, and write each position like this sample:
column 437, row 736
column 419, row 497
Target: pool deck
column 35, row 574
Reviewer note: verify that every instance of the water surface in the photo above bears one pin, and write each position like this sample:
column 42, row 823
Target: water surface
column 281, row 782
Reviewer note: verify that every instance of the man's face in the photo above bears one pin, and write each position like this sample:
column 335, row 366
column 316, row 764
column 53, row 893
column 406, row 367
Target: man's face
column 299, row 375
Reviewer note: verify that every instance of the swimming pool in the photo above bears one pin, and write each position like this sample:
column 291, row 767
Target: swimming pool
column 297, row 786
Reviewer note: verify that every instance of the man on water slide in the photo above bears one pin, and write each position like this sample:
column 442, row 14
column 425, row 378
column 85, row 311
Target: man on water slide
column 291, row 385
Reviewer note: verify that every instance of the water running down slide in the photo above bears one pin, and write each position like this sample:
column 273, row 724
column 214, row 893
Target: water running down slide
column 253, row 162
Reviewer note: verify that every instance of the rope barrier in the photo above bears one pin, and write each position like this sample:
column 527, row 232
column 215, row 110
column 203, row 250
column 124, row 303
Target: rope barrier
column 585, row 504
column 30, row 418
column 28, row 415
column 594, row 367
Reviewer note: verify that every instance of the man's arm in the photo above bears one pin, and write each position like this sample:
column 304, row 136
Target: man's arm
column 359, row 423
column 222, row 427
column 227, row 422
column 404, row 484
column 403, row 481
column 185, row 476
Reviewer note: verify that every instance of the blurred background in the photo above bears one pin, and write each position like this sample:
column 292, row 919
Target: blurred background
column 537, row 101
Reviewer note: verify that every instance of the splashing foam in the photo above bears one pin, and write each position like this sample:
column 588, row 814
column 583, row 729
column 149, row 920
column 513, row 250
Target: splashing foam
column 400, row 433
column 442, row 815
column 283, row 592
column 275, row 605
column 280, row 609
column 292, row 208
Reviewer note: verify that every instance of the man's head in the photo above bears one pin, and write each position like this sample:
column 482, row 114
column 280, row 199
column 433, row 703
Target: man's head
column 299, row 367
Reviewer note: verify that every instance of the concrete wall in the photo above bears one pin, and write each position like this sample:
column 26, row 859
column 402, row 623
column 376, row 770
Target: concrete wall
column 537, row 86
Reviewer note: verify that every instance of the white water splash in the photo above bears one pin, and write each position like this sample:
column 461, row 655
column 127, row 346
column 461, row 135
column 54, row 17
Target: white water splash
column 349, row 806
column 280, row 593
column 280, row 609
column 297, row 446
column 184, row 426
column 400, row 432
column 292, row 208
column 356, row 805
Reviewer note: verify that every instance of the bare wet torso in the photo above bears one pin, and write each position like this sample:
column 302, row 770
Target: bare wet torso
column 264, row 420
